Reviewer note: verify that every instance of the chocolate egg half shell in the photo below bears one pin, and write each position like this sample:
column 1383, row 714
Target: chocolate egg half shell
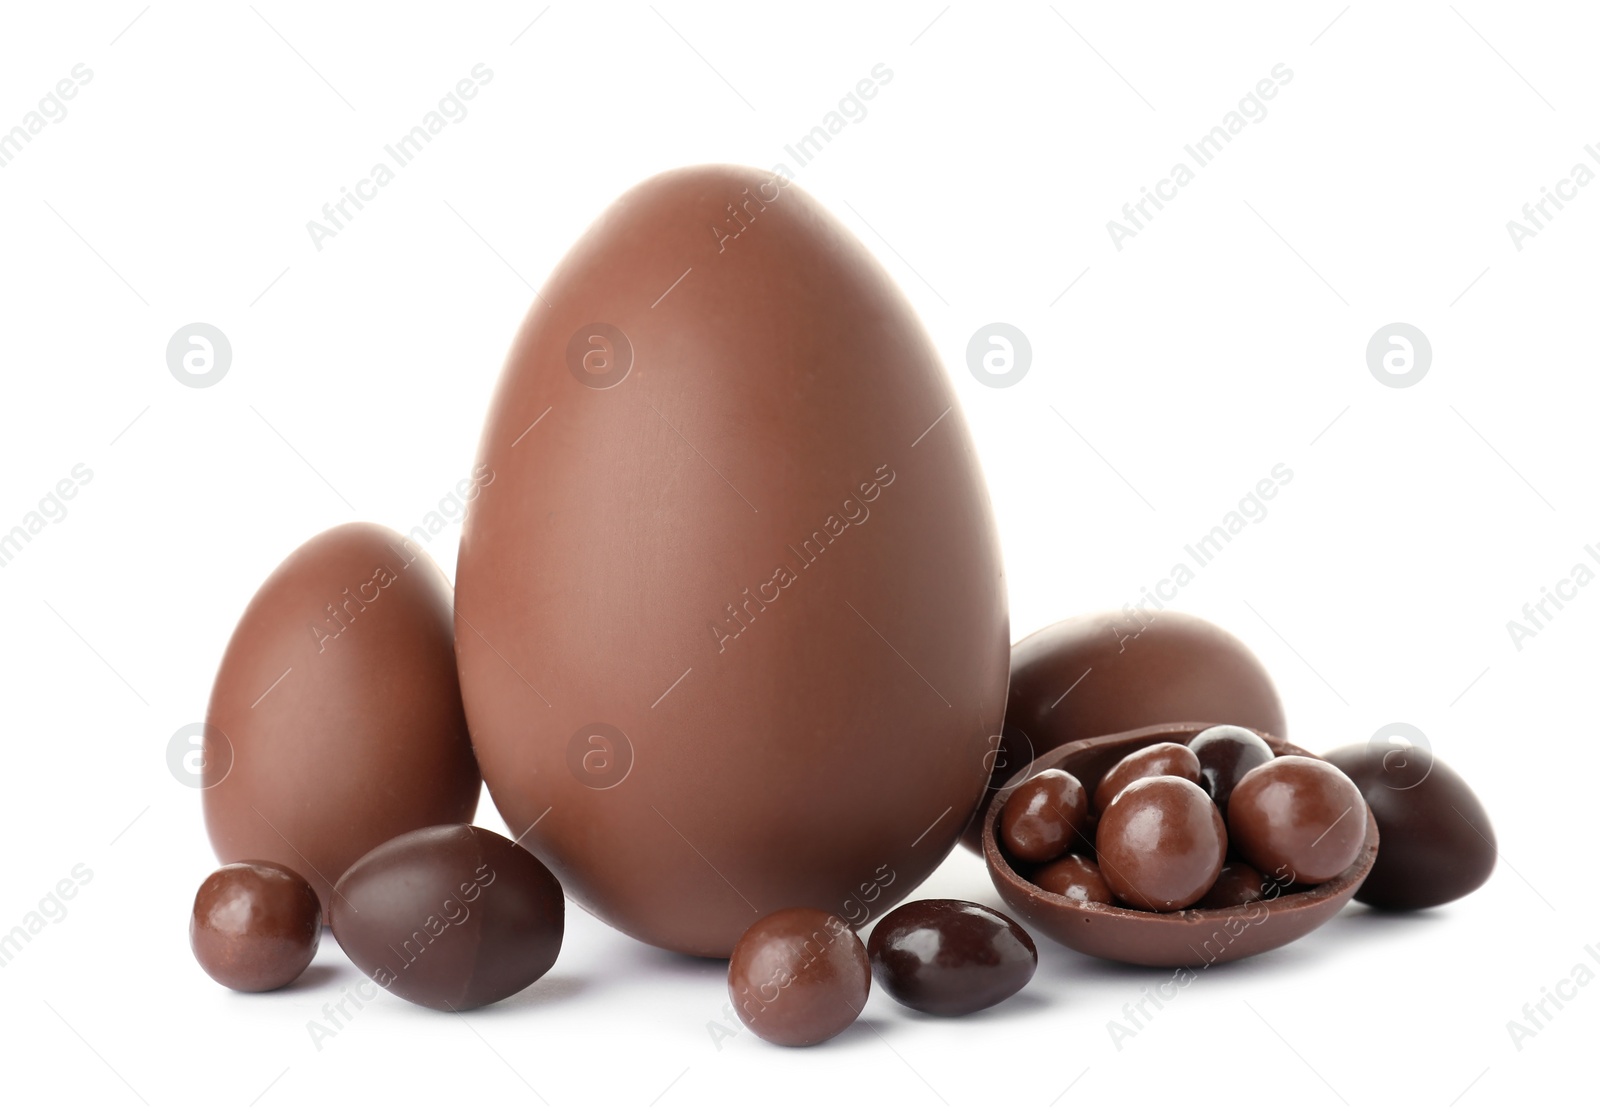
column 732, row 625
column 335, row 720
column 1098, row 674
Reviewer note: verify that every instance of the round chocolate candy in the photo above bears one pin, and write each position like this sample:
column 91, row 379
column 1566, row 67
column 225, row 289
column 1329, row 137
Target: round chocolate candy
column 1043, row 816
column 1297, row 818
column 1165, row 758
column 1236, row 884
column 1161, row 843
column 1437, row 844
column 950, row 957
column 255, row 926
column 799, row 976
column 1226, row 753
column 451, row 917
column 1075, row 877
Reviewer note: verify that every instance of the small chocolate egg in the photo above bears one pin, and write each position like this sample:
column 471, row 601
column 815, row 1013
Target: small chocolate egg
column 1074, row 877
column 1297, row 818
column 799, row 976
column 1165, row 758
column 451, row 917
column 950, row 957
column 1044, row 816
column 1099, row 674
column 1437, row 843
column 1161, row 843
column 255, row 925
column 335, row 720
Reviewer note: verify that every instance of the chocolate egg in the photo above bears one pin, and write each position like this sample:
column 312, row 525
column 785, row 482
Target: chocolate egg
column 335, row 721
column 1438, row 844
column 1105, row 673
column 731, row 619
column 450, row 917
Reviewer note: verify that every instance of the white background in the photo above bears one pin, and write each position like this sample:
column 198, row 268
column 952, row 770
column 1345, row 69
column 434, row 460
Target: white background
column 1227, row 336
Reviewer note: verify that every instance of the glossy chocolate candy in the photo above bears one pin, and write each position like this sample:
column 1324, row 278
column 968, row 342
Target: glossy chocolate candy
column 450, row 917
column 721, row 560
column 799, row 976
column 1161, row 844
column 255, row 925
column 1237, row 883
column 1438, row 843
column 950, row 957
column 335, row 721
column 1074, row 877
column 1225, row 754
column 1105, row 673
column 1297, row 818
column 1044, row 816
column 1166, row 758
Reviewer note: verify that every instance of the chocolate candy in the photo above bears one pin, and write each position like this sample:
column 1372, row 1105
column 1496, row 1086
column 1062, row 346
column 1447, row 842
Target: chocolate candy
column 1099, row 674
column 255, row 925
column 1161, row 843
column 1236, row 884
column 1226, row 753
column 799, row 976
column 1165, row 758
column 1437, row 845
column 1075, row 877
column 1044, row 816
column 450, row 917
column 1297, row 818
column 950, row 957
column 335, row 721
column 708, row 526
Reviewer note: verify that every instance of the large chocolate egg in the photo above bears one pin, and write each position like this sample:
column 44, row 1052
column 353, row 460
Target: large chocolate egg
column 1099, row 674
column 731, row 621
column 335, row 721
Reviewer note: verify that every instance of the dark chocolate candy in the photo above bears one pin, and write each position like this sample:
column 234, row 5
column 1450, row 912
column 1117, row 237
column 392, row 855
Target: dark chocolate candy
column 1226, row 753
column 450, row 917
column 335, row 721
column 799, row 976
column 1106, row 673
column 255, row 925
column 950, row 957
column 1298, row 819
column 1161, row 843
column 1438, row 843
column 711, row 545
